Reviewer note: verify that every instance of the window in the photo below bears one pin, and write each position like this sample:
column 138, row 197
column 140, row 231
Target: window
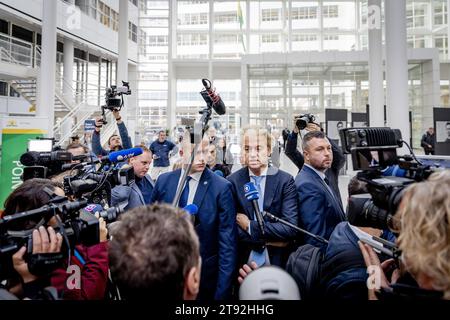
column 104, row 13
column 3, row 88
column 193, row 19
column 304, row 13
column 330, row 11
column 135, row 2
column 132, row 32
column 270, row 15
column 270, row 38
column 4, row 26
column 158, row 41
column 440, row 13
column 303, row 37
column 226, row 17
column 330, row 37
column 114, row 20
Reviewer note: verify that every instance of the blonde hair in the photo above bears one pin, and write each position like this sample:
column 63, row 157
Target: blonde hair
column 257, row 131
column 424, row 225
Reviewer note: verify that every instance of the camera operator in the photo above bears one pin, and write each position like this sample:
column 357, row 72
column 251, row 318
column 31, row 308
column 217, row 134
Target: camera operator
column 138, row 193
column 297, row 158
column 155, row 254
column 92, row 261
column 422, row 221
column 115, row 143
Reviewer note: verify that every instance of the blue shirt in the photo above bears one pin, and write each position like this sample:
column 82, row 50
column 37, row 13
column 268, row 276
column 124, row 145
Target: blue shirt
column 161, row 150
column 146, row 189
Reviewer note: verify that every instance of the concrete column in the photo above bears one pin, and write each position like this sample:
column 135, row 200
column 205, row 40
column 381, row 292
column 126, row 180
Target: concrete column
column 321, row 94
column 430, row 91
column 122, row 66
column 245, row 108
column 358, row 101
column 172, row 83
column 46, row 105
column 68, row 88
column 397, row 67
column 448, row 28
column 376, row 88
column 132, row 107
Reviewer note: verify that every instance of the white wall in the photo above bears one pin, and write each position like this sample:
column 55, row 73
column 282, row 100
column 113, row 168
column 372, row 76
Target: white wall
column 12, row 105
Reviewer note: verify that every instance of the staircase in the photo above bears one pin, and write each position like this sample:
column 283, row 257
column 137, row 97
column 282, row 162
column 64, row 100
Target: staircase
column 70, row 112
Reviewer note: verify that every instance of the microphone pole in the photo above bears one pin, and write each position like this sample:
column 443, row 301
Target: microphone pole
column 276, row 219
column 199, row 130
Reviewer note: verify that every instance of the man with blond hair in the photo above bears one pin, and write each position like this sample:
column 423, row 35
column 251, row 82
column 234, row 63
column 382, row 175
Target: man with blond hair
column 277, row 195
column 214, row 222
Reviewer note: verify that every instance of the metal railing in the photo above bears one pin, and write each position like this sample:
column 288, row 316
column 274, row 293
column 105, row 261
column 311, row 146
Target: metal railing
column 23, row 53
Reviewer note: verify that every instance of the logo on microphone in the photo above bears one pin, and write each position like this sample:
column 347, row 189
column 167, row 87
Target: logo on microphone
column 246, row 188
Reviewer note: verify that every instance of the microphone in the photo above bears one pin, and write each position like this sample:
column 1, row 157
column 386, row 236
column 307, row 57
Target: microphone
column 252, row 195
column 123, row 155
column 70, row 166
column 192, row 210
column 211, row 97
column 219, row 173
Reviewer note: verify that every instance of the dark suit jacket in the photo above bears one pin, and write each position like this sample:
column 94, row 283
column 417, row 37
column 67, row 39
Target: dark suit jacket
column 131, row 193
column 320, row 211
column 216, row 229
column 332, row 174
column 280, row 199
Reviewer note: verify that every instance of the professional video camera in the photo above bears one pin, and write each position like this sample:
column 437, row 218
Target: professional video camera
column 373, row 153
column 302, row 120
column 96, row 186
column 114, row 98
column 75, row 225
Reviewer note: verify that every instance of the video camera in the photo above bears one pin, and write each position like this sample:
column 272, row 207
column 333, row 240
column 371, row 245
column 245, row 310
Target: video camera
column 301, row 121
column 114, row 98
column 97, row 186
column 44, row 159
column 373, row 153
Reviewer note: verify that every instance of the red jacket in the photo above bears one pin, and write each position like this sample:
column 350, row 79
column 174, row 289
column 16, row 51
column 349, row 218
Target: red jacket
column 94, row 274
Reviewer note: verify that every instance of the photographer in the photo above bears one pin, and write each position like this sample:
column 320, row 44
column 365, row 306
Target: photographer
column 161, row 149
column 296, row 156
column 422, row 221
column 138, row 193
column 115, row 143
column 92, row 261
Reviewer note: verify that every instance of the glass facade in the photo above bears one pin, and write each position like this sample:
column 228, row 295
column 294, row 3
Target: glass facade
column 213, row 31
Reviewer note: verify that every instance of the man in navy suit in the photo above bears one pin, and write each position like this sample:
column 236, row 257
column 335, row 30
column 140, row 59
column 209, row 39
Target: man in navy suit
column 214, row 222
column 138, row 193
column 320, row 210
column 277, row 195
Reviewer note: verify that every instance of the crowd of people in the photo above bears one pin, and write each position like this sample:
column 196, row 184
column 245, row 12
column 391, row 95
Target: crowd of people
column 158, row 250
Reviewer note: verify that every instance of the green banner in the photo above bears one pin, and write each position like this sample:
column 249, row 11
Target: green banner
column 14, row 144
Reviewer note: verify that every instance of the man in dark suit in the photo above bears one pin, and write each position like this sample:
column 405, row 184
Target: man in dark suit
column 214, row 223
column 139, row 193
column 277, row 196
column 320, row 210
column 297, row 158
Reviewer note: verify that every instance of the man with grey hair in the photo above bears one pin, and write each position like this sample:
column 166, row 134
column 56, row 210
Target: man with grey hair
column 319, row 210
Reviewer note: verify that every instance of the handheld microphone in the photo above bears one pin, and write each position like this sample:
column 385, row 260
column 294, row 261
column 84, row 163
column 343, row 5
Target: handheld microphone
column 192, row 210
column 252, row 195
column 211, row 97
column 123, row 155
column 219, row 173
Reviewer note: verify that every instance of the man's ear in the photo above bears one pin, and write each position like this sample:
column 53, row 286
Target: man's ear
column 192, row 284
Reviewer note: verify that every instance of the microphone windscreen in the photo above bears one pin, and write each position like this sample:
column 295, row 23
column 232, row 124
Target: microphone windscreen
column 93, row 208
column 29, row 159
column 251, row 193
column 191, row 209
column 219, row 173
column 123, row 155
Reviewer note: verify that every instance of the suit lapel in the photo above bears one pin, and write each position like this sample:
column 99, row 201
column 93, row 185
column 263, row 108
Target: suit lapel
column 202, row 187
column 270, row 187
column 172, row 184
column 138, row 191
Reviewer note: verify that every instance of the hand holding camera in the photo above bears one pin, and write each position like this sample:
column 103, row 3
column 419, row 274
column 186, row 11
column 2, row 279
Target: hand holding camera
column 44, row 241
column 98, row 124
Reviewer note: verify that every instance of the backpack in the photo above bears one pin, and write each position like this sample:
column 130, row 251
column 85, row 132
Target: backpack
column 312, row 274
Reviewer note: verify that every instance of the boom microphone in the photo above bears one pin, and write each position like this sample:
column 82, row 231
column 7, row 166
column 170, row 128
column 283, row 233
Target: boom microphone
column 212, row 98
column 123, row 155
column 252, row 195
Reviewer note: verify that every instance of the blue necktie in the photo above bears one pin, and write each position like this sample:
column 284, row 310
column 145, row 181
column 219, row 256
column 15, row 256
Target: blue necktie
column 258, row 257
column 185, row 194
